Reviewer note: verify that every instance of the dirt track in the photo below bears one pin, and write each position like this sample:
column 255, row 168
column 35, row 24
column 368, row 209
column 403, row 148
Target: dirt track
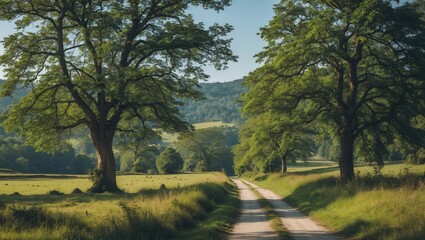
column 253, row 223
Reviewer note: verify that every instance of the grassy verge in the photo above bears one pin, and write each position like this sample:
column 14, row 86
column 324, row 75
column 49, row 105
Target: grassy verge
column 374, row 206
column 272, row 216
column 199, row 209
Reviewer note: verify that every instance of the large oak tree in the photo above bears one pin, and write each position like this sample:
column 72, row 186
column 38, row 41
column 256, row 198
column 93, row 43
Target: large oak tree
column 117, row 68
column 358, row 65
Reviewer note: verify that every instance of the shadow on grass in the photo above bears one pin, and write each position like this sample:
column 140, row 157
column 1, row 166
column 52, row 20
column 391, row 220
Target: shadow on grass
column 212, row 210
column 316, row 171
column 47, row 198
column 324, row 191
column 370, row 230
column 318, row 194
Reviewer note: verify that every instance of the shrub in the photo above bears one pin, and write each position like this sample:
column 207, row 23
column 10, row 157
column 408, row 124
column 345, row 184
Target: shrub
column 55, row 192
column 76, row 191
column 418, row 158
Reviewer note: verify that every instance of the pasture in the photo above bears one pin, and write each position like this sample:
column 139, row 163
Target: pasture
column 32, row 184
column 191, row 205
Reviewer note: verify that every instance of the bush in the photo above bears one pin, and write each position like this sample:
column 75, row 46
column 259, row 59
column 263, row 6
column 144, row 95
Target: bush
column 418, row 158
column 169, row 161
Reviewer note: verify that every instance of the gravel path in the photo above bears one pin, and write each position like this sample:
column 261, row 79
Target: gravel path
column 299, row 226
column 253, row 223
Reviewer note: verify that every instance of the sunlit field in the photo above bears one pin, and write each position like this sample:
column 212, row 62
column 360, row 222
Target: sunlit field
column 30, row 184
column 190, row 204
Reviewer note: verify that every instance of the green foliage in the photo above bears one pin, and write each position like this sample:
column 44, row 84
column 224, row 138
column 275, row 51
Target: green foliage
column 418, row 158
column 354, row 71
column 15, row 155
column 6, row 102
column 118, row 69
column 272, row 136
column 169, row 161
column 208, row 149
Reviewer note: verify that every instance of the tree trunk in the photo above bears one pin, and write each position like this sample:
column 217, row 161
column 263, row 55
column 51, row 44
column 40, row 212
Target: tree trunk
column 283, row 160
column 271, row 166
column 346, row 164
column 104, row 178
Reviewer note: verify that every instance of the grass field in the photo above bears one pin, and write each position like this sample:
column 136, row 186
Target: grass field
column 30, row 184
column 386, row 205
column 170, row 138
column 195, row 206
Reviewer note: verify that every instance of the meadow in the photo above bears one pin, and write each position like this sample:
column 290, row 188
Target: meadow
column 172, row 137
column 192, row 206
column 386, row 204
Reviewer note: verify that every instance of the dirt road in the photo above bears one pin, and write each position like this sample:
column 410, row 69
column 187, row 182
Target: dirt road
column 253, row 222
column 299, row 226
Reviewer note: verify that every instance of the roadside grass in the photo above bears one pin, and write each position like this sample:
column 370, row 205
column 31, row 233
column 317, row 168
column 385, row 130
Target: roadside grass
column 200, row 207
column 377, row 205
column 272, row 215
column 220, row 221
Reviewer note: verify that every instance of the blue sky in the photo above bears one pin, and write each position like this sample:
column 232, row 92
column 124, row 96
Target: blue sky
column 246, row 16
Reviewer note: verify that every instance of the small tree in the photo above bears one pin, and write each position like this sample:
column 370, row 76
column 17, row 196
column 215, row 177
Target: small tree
column 169, row 161
column 205, row 150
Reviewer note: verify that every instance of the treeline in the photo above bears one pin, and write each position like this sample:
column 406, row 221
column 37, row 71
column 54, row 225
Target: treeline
column 220, row 103
column 198, row 151
column 16, row 156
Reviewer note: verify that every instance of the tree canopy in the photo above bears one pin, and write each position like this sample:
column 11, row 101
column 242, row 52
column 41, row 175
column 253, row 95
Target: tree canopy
column 116, row 68
column 169, row 161
column 355, row 66
column 270, row 136
column 207, row 149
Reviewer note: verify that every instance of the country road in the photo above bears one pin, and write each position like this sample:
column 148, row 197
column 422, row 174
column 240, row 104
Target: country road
column 253, row 223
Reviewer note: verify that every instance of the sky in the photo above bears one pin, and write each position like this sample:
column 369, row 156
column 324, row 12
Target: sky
column 246, row 16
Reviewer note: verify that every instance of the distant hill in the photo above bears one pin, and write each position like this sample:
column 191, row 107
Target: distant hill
column 221, row 103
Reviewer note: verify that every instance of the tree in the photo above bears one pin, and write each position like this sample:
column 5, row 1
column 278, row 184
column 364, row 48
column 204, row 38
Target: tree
column 169, row 161
column 270, row 136
column 357, row 65
column 205, row 150
column 116, row 68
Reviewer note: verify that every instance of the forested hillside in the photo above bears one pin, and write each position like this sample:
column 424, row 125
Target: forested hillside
column 220, row 104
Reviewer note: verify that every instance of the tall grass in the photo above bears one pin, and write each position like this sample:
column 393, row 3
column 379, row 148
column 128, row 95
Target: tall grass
column 148, row 214
column 380, row 205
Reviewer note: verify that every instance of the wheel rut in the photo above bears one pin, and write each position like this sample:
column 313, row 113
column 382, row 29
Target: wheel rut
column 253, row 223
